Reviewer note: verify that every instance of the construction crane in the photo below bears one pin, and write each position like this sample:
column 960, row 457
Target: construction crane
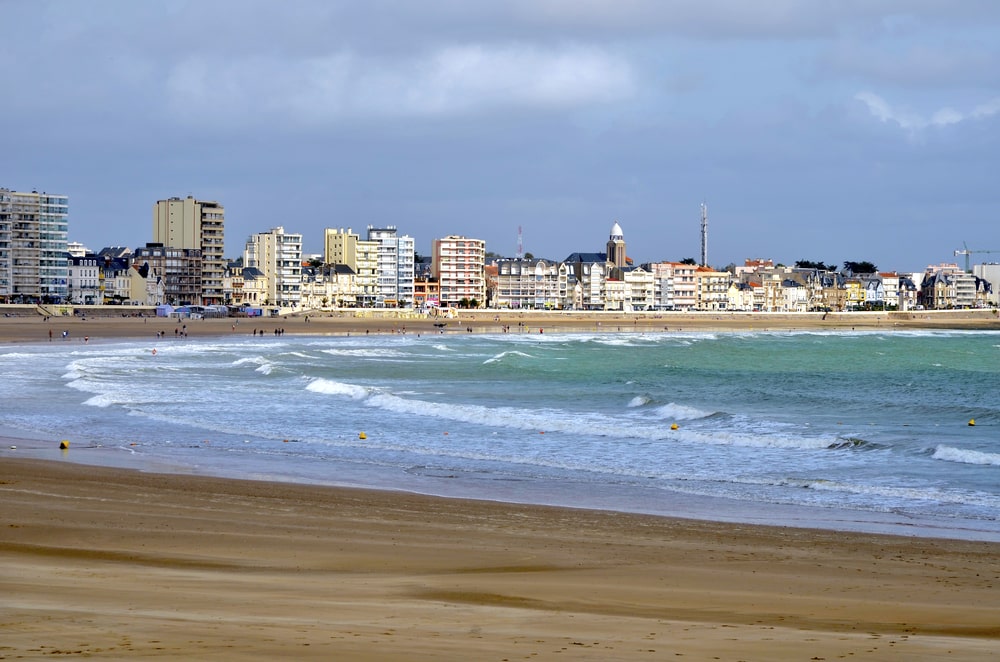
column 966, row 251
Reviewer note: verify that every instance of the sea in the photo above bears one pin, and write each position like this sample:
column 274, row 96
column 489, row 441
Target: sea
column 877, row 431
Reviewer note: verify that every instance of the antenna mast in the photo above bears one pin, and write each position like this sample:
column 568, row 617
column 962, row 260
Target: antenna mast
column 520, row 244
column 704, row 235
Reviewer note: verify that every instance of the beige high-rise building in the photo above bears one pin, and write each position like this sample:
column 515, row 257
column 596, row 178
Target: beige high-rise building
column 345, row 247
column 199, row 225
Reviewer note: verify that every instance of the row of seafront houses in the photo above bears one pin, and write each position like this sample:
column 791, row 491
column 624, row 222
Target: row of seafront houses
column 582, row 281
column 184, row 265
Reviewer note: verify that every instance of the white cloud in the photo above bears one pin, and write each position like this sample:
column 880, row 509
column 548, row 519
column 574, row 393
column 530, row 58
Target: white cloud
column 912, row 122
column 453, row 80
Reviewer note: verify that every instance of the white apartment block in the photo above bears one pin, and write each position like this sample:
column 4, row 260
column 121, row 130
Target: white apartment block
column 641, row 292
column 713, row 289
column 195, row 225
column 394, row 256
column 458, row 265
column 278, row 256
column 33, row 246
column 676, row 285
column 532, row 284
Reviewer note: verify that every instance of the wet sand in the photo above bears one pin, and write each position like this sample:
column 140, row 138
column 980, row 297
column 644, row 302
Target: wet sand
column 118, row 564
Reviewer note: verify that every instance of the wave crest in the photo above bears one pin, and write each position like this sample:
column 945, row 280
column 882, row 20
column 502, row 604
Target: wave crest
column 965, row 456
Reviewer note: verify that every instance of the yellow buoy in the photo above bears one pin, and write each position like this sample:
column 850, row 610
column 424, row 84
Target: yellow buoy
column 64, row 444
column 362, row 435
column 673, row 426
column 972, row 421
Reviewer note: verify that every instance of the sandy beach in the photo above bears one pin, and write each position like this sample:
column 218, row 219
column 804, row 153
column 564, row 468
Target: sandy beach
column 118, row 564
column 111, row 323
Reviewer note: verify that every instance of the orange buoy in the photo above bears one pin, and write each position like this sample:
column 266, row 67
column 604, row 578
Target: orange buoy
column 63, row 444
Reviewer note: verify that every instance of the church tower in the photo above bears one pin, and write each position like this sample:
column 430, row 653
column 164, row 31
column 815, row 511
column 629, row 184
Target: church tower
column 616, row 247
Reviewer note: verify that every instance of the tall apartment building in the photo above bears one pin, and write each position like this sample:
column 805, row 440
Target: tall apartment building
column 347, row 248
column 195, row 225
column 33, row 265
column 457, row 263
column 278, row 255
column 394, row 254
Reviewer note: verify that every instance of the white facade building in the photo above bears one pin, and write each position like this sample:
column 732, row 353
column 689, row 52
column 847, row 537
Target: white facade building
column 84, row 280
column 532, row 284
column 278, row 256
column 394, row 273
column 33, row 246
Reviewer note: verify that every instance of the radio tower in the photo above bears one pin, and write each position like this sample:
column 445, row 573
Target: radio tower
column 704, row 235
column 520, row 244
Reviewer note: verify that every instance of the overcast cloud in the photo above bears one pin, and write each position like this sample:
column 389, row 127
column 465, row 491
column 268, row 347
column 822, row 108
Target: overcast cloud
column 820, row 130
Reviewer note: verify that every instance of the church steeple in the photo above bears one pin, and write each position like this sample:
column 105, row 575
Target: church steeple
column 616, row 247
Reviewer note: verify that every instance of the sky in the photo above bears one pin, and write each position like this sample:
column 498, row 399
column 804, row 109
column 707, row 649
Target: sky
column 821, row 130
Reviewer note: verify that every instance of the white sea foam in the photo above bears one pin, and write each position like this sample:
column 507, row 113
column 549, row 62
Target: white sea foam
column 639, row 401
column 255, row 360
column 300, row 355
column 503, row 355
column 680, row 412
column 330, row 387
column 265, row 369
column 17, row 356
column 101, row 400
column 367, row 353
column 966, row 456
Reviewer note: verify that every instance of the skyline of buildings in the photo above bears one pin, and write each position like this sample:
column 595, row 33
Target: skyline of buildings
column 185, row 263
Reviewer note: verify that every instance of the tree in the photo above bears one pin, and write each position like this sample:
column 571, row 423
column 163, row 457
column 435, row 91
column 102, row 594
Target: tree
column 808, row 264
column 315, row 263
column 689, row 260
column 529, row 256
column 859, row 267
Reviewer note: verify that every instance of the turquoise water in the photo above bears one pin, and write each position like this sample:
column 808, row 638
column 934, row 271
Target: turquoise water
column 837, row 429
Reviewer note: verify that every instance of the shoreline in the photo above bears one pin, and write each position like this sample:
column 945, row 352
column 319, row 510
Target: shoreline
column 693, row 507
column 673, row 504
column 134, row 565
